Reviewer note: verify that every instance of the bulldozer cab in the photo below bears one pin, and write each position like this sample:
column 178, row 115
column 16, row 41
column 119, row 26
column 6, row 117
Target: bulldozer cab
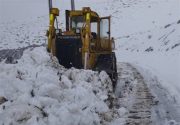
column 99, row 28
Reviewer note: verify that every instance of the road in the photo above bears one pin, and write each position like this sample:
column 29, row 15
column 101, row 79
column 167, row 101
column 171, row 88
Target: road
column 146, row 101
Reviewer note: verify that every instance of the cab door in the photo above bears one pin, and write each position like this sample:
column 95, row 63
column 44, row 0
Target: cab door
column 105, row 33
column 105, row 27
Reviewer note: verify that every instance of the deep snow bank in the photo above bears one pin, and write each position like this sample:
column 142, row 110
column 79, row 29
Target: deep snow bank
column 40, row 92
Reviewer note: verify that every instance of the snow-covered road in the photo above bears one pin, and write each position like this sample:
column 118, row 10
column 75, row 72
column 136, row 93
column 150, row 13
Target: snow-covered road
column 134, row 95
column 143, row 100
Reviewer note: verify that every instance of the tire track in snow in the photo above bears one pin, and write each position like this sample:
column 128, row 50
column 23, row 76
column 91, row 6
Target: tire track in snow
column 167, row 110
column 135, row 95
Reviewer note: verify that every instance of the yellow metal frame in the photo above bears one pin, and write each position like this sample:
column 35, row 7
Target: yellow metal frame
column 51, row 32
column 89, row 56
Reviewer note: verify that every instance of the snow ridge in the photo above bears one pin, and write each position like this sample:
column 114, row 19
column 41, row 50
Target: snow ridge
column 40, row 92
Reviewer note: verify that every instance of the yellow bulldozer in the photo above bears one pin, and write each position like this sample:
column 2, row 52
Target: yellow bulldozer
column 86, row 43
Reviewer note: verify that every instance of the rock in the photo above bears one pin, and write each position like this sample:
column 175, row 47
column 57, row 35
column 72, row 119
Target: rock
column 168, row 25
column 2, row 100
column 176, row 45
column 178, row 22
column 150, row 49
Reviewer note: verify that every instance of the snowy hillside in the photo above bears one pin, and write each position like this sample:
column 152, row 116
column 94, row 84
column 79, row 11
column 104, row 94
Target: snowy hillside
column 35, row 90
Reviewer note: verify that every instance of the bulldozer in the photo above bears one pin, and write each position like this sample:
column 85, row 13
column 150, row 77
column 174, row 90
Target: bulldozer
column 86, row 42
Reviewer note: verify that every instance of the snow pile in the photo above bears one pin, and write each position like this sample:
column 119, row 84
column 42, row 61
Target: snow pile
column 40, row 92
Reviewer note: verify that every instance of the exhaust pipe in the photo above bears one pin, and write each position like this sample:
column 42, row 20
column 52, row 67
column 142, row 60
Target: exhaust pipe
column 72, row 5
column 50, row 5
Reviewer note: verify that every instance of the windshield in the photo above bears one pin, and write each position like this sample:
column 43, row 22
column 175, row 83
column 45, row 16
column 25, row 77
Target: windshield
column 77, row 22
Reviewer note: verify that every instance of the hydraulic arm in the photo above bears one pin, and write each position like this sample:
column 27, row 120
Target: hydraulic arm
column 53, row 12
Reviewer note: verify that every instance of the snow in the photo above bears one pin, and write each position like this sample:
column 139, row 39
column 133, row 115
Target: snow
column 147, row 36
column 39, row 93
column 159, row 64
column 167, row 109
column 20, row 26
column 156, row 49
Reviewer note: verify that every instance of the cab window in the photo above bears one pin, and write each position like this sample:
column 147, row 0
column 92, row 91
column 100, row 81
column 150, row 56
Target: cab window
column 77, row 23
column 104, row 28
column 94, row 30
